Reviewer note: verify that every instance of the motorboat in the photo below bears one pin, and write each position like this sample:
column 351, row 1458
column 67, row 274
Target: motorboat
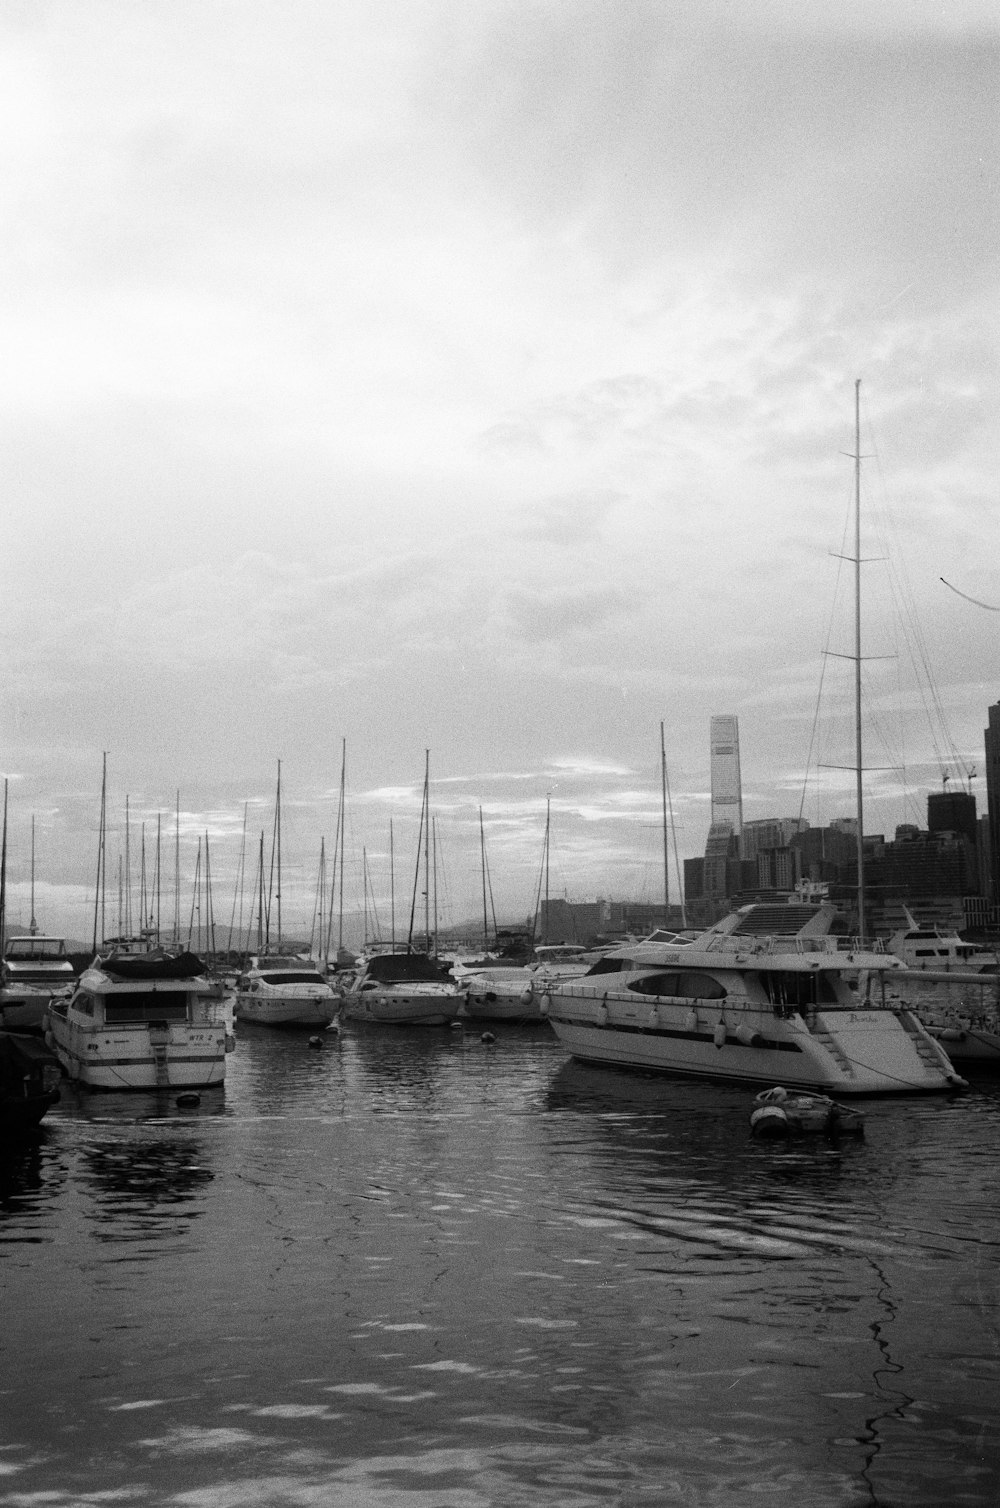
column 953, row 987
column 141, row 1020
column 495, row 993
column 34, row 969
column 402, row 989
column 778, row 1114
column 930, row 948
column 961, row 1011
column 763, row 997
column 29, row 1082
column 283, row 990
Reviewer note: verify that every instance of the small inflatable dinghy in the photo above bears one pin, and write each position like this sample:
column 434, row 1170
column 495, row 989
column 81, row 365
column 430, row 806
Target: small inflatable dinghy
column 780, row 1113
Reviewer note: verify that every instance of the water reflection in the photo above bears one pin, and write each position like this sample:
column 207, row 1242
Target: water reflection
column 144, row 1186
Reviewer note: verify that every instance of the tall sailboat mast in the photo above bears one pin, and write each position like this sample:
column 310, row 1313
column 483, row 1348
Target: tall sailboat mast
column 3, row 873
column 33, row 925
column 100, row 885
column 548, row 829
column 666, row 847
column 482, row 855
column 859, row 783
column 427, row 850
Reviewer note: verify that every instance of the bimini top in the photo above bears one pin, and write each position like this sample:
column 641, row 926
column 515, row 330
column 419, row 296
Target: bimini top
column 153, row 965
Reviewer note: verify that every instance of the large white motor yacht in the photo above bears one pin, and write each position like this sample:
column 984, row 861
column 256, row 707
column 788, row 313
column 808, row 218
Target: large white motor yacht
column 762, row 997
column 149, row 1020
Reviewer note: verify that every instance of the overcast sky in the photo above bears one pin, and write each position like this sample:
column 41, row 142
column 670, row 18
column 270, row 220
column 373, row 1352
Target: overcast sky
column 480, row 378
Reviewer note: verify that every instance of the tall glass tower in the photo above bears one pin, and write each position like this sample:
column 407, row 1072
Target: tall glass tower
column 727, row 793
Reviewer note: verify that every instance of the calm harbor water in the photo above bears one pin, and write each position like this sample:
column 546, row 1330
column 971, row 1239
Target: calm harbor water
column 412, row 1268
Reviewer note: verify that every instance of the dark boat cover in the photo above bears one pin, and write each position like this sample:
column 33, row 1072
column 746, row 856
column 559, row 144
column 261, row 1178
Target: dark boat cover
column 406, row 968
column 154, row 965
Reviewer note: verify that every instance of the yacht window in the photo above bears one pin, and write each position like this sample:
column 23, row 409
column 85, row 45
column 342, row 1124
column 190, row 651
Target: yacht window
column 146, row 1005
column 686, row 986
column 700, row 987
column 797, row 989
column 609, row 966
column 306, row 976
column 84, row 1003
column 655, row 984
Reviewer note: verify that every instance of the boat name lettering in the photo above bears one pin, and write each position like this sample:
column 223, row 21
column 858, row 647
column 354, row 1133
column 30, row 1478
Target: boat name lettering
column 863, row 1016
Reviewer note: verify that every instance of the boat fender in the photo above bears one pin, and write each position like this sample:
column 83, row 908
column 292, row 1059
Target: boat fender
column 315, row 1041
column 189, row 1097
column 654, row 1015
column 748, row 1036
column 50, row 1041
column 457, row 1026
column 602, row 1013
column 719, row 1034
column 691, row 1021
column 770, row 1120
column 230, row 1042
column 487, row 1037
column 544, row 1004
column 527, row 995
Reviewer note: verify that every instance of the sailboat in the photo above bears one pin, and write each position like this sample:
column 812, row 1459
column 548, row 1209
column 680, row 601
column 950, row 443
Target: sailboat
column 279, row 988
column 514, row 992
column 767, row 995
column 411, row 986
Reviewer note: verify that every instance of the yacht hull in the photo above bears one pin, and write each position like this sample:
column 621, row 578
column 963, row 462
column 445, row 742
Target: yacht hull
column 412, row 1006
column 177, row 1056
column 849, row 1052
column 287, row 1010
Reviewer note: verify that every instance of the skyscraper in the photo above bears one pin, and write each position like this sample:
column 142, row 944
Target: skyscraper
column 991, row 738
column 727, row 793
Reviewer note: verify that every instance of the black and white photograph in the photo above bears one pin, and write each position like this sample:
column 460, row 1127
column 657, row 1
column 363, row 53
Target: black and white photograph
column 500, row 733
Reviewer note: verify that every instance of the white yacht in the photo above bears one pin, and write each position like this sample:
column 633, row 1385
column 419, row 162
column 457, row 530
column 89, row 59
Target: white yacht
column 922, row 947
column 148, row 1020
column 495, row 993
column 402, row 989
column 34, row 970
column 277, row 990
column 763, row 997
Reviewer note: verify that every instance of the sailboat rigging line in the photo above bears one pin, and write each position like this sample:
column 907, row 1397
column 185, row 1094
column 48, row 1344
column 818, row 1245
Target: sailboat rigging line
column 238, row 887
column 904, row 600
column 195, row 897
column 319, row 902
column 416, row 875
column 489, row 884
column 974, row 600
column 275, row 849
column 338, row 853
